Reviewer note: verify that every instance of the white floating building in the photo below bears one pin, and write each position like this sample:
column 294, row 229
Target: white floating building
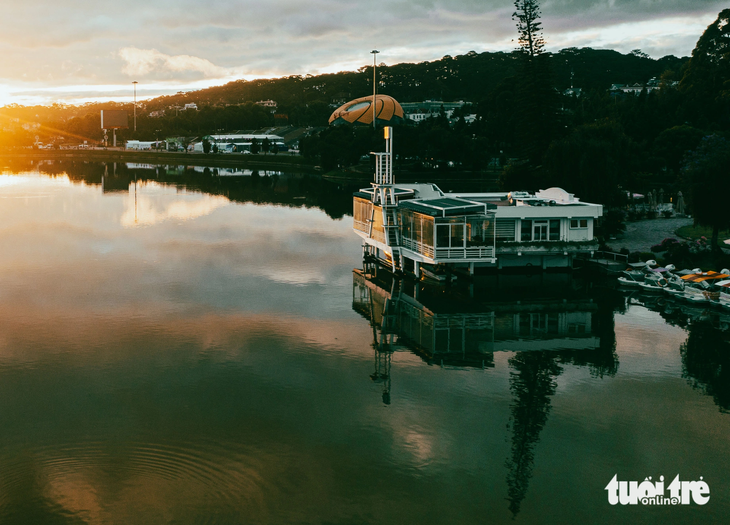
column 412, row 225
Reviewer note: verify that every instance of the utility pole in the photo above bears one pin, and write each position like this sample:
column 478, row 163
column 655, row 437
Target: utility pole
column 375, row 54
column 134, row 83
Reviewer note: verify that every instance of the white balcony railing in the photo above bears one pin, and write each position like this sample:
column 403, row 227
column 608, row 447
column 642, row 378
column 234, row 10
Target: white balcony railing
column 418, row 247
column 478, row 252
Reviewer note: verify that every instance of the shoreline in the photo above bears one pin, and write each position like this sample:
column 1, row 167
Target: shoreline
column 281, row 161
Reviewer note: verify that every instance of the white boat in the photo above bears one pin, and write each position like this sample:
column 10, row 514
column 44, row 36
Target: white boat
column 675, row 285
column 635, row 274
column 654, row 282
column 698, row 287
column 723, row 287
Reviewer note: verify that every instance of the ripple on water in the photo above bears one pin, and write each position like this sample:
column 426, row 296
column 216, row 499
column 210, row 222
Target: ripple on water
column 96, row 479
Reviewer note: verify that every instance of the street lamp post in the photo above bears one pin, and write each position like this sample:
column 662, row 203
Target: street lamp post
column 375, row 54
column 134, row 83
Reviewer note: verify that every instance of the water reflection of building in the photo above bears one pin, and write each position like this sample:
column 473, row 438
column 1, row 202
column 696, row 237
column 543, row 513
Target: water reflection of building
column 546, row 327
column 453, row 329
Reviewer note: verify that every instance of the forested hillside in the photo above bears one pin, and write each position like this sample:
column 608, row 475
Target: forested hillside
column 479, row 78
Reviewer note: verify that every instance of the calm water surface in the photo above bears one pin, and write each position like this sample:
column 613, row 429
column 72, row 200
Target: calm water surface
column 194, row 348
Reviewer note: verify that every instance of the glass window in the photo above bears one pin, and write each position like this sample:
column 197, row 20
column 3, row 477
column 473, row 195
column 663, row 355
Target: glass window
column 578, row 223
column 427, row 235
column 555, row 230
column 526, row 231
column 539, row 230
column 408, row 226
column 457, row 235
column 443, row 232
column 479, row 232
column 584, row 223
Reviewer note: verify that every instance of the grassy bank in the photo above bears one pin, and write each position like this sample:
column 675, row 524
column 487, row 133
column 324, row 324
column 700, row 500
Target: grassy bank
column 274, row 162
column 695, row 232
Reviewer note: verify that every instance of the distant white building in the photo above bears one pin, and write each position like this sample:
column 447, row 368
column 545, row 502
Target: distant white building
column 419, row 111
column 634, row 89
column 142, row 144
column 192, row 105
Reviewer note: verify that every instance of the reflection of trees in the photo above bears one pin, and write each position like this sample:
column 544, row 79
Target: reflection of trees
column 289, row 189
column 706, row 362
column 532, row 382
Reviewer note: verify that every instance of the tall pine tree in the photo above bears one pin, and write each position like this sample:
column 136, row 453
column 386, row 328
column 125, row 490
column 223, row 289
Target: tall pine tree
column 536, row 95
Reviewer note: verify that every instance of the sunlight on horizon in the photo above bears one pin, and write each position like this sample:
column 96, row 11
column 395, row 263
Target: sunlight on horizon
column 651, row 36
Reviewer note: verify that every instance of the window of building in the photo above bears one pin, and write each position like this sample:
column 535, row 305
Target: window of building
column 578, row 223
column 555, row 229
column 540, row 230
column 479, row 232
column 526, row 235
column 506, row 230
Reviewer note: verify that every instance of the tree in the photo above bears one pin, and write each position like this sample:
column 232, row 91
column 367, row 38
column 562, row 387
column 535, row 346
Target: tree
column 255, row 146
column 529, row 28
column 206, row 146
column 671, row 145
column 706, row 82
column 265, row 145
column 594, row 161
column 537, row 106
column 704, row 169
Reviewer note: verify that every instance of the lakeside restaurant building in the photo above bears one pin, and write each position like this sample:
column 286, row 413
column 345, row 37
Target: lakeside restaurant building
column 411, row 225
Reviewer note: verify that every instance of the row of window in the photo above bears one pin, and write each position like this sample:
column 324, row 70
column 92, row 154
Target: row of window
column 462, row 232
column 540, row 230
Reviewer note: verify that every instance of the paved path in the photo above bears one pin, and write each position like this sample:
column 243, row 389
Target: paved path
column 640, row 236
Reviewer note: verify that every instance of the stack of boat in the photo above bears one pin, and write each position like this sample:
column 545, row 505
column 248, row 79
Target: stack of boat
column 691, row 285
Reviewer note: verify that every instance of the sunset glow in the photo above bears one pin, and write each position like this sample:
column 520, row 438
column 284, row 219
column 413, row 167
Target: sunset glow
column 55, row 53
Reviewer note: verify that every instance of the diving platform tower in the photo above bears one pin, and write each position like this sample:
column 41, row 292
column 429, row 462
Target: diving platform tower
column 385, row 202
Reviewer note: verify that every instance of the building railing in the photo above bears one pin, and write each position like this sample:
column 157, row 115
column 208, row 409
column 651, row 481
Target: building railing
column 479, row 252
column 611, row 255
column 418, row 247
column 378, row 235
column 600, row 254
column 362, row 226
column 475, row 252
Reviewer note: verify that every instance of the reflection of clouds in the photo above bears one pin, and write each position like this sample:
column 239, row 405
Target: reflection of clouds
column 81, row 247
column 22, row 183
column 636, row 334
column 74, row 492
column 417, row 443
column 153, row 210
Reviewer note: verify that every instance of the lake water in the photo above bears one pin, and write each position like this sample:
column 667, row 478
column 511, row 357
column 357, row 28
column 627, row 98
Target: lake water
column 178, row 346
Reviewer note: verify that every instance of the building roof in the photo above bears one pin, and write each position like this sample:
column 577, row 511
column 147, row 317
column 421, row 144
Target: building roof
column 359, row 111
column 445, row 207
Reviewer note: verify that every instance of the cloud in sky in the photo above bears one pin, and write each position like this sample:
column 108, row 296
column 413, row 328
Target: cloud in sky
column 51, row 48
column 143, row 62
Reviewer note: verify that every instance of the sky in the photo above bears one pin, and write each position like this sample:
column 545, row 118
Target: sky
column 74, row 51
